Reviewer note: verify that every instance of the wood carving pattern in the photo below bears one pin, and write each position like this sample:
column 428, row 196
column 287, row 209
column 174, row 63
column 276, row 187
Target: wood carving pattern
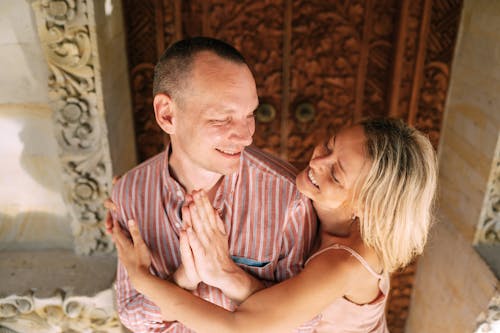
column 69, row 43
column 326, row 40
column 380, row 58
column 150, row 137
column 255, row 28
column 398, row 305
column 141, row 31
column 441, row 43
column 406, row 81
column 142, row 48
column 168, row 26
column 192, row 18
column 327, row 44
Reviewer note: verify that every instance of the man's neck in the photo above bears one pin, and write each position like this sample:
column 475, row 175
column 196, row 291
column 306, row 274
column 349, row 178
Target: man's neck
column 192, row 177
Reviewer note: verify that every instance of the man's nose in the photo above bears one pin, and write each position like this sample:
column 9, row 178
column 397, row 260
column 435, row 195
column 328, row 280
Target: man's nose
column 243, row 133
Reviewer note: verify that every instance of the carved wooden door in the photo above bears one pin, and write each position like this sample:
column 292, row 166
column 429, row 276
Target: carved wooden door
column 318, row 65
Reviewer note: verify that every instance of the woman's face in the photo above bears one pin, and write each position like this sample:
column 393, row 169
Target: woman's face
column 335, row 167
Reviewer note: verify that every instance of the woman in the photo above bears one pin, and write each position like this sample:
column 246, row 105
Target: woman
column 372, row 186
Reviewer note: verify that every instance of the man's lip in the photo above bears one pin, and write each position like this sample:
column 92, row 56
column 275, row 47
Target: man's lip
column 229, row 154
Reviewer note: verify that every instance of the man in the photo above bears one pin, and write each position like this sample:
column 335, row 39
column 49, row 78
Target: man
column 204, row 98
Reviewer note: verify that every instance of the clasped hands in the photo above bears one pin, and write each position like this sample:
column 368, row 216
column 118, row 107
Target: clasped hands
column 203, row 246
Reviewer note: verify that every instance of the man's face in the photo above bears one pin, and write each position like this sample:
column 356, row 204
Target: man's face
column 214, row 122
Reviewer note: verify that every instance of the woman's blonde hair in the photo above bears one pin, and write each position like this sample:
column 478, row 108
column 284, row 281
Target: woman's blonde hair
column 395, row 202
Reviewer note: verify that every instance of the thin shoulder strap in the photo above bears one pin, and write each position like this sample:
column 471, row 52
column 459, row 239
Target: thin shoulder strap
column 351, row 251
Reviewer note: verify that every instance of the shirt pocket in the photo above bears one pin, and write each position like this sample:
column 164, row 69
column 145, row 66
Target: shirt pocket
column 263, row 269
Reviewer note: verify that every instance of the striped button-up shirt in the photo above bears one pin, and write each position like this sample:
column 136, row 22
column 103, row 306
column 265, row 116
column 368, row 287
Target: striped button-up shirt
column 271, row 227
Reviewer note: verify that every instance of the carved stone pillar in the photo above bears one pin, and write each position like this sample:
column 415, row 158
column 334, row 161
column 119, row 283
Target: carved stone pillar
column 60, row 313
column 489, row 320
column 488, row 229
column 62, row 290
column 67, row 34
column 57, row 291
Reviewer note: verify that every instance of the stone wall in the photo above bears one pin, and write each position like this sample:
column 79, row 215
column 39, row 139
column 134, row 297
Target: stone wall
column 32, row 210
column 454, row 285
column 64, row 99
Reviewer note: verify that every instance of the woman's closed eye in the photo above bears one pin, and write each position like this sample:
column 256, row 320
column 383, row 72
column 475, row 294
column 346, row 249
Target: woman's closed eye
column 332, row 173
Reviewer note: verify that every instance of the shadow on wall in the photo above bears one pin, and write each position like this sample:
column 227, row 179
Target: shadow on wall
column 39, row 156
column 34, row 230
column 33, row 213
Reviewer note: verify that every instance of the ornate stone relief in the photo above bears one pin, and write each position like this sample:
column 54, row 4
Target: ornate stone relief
column 488, row 230
column 489, row 321
column 67, row 34
column 59, row 313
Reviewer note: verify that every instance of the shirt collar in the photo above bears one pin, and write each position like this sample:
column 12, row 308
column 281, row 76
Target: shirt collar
column 224, row 193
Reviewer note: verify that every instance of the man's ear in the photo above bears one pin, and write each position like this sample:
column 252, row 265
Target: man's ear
column 164, row 112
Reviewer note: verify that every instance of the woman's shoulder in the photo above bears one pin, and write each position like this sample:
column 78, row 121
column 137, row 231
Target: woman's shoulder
column 353, row 250
column 359, row 267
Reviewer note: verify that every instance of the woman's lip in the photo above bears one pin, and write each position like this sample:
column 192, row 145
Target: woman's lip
column 311, row 178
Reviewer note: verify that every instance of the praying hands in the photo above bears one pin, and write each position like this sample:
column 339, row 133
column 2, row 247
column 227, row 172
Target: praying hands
column 203, row 245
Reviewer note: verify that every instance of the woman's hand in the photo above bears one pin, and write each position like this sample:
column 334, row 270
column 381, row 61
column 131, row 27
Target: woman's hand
column 111, row 207
column 133, row 254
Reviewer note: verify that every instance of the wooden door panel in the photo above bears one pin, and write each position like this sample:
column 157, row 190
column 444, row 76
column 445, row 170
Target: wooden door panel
column 318, row 65
column 329, row 54
column 256, row 29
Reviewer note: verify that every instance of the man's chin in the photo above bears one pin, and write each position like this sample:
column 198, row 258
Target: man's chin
column 229, row 169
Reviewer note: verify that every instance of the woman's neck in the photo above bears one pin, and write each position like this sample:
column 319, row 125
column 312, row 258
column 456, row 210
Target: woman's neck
column 335, row 222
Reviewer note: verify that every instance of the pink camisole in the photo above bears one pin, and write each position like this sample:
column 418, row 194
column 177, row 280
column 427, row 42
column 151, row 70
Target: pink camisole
column 348, row 317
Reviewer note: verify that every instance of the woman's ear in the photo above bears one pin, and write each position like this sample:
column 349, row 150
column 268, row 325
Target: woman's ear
column 164, row 112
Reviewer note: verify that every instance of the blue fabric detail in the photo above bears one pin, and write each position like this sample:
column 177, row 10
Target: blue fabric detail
column 249, row 262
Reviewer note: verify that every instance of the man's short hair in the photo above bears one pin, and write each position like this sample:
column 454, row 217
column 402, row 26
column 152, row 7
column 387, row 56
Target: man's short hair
column 175, row 63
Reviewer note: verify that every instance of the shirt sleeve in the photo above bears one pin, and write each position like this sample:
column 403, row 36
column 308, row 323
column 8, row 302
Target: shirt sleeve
column 298, row 235
column 136, row 312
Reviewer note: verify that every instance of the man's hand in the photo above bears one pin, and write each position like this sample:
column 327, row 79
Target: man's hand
column 133, row 254
column 186, row 275
column 208, row 241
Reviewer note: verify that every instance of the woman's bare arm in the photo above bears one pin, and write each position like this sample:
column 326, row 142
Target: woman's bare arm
column 279, row 308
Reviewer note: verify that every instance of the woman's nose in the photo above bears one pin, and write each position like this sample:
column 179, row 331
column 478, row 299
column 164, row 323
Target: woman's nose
column 320, row 157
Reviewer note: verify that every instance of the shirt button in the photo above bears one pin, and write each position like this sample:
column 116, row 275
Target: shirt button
column 179, row 194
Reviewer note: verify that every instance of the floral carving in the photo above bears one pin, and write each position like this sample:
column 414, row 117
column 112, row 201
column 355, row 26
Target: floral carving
column 341, row 64
column 61, row 312
column 80, row 129
column 59, row 12
column 488, row 230
column 489, row 321
column 326, row 45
